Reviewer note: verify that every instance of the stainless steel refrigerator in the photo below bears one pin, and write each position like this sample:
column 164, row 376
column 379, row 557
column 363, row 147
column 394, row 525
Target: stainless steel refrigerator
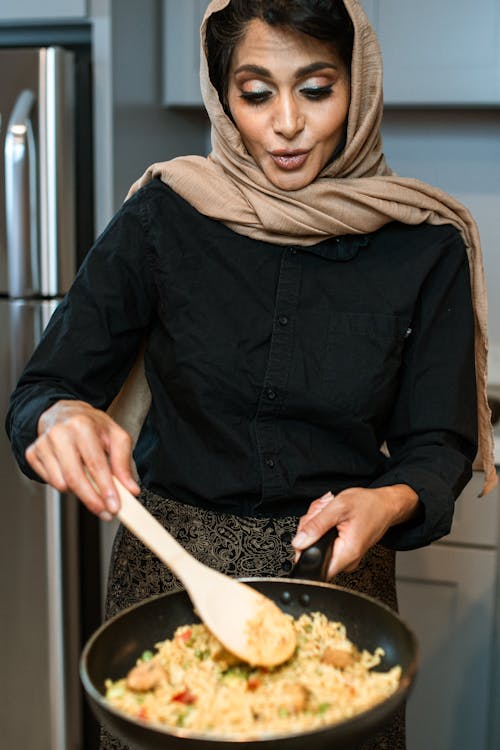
column 49, row 579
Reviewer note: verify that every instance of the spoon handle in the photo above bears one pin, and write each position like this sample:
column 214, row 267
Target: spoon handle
column 226, row 606
column 140, row 522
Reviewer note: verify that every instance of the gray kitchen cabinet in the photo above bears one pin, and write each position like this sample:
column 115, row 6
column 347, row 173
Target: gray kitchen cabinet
column 181, row 52
column 444, row 53
column 48, row 10
column 133, row 129
column 448, row 595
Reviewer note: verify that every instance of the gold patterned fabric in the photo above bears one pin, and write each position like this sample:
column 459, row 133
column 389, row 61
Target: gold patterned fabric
column 240, row 547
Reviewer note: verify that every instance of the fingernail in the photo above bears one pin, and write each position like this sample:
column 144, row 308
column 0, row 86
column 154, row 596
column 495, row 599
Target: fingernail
column 112, row 504
column 302, row 540
column 327, row 496
column 105, row 516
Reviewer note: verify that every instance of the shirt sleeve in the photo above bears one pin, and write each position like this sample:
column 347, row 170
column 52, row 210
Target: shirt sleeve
column 432, row 435
column 92, row 339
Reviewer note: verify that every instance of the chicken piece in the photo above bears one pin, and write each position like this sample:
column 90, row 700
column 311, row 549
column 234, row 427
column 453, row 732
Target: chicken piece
column 145, row 676
column 339, row 658
column 293, row 697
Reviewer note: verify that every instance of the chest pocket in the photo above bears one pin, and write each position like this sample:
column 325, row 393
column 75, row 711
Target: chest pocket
column 363, row 360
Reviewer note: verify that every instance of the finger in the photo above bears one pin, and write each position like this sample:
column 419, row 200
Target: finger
column 315, row 508
column 36, row 462
column 95, row 461
column 318, row 505
column 54, row 477
column 316, row 526
column 91, row 439
column 72, row 467
column 120, row 459
column 46, row 465
column 345, row 558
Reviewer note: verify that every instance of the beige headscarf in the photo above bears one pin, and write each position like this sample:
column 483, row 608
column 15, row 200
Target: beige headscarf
column 357, row 193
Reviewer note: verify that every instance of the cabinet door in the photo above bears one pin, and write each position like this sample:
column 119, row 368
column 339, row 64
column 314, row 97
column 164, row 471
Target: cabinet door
column 181, row 52
column 446, row 594
column 36, row 10
column 476, row 519
column 439, row 53
column 436, row 54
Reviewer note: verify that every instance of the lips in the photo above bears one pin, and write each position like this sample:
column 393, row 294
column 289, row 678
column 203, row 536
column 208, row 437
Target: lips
column 289, row 160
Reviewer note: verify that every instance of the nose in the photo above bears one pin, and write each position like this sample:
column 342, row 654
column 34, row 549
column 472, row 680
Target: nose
column 288, row 119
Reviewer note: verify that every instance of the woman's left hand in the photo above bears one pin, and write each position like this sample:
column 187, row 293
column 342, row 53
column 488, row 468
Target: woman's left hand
column 362, row 517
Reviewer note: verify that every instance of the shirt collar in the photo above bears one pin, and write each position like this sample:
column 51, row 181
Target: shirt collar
column 342, row 248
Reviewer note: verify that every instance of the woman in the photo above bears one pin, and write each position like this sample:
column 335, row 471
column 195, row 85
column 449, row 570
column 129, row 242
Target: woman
column 301, row 307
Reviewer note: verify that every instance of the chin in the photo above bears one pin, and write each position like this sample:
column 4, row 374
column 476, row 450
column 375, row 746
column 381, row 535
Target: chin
column 290, row 181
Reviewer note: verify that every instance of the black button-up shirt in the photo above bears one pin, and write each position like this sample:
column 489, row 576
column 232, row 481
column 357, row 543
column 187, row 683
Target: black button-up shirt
column 277, row 372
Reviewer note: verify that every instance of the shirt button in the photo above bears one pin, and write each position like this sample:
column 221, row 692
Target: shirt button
column 293, row 251
column 271, row 394
column 283, row 320
column 270, row 463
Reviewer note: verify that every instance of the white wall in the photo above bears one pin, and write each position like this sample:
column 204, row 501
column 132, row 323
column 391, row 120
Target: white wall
column 459, row 151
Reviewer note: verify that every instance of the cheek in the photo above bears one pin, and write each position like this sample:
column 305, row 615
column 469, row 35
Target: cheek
column 249, row 128
column 332, row 127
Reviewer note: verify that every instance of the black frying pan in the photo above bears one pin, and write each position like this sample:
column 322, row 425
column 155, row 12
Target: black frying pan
column 114, row 648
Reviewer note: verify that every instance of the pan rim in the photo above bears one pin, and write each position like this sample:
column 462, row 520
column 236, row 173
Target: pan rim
column 396, row 698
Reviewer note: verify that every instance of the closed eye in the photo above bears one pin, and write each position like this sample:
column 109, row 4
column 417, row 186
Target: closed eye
column 317, row 92
column 255, row 97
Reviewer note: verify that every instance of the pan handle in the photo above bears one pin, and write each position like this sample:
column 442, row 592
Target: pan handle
column 313, row 562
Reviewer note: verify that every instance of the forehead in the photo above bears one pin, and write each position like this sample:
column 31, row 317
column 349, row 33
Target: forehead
column 270, row 46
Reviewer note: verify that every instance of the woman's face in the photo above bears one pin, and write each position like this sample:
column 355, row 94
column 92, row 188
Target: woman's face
column 288, row 94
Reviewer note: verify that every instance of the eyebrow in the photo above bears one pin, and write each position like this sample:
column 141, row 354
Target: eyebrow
column 300, row 73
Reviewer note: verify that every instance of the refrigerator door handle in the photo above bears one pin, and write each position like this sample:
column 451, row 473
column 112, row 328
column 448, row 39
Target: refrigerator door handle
column 62, row 567
column 57, row 171
column 21, row 199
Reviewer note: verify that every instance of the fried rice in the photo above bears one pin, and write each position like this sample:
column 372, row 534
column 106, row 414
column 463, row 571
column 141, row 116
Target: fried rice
column 192, row 682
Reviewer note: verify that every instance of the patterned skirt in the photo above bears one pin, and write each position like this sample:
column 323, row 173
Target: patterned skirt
column 240, row 547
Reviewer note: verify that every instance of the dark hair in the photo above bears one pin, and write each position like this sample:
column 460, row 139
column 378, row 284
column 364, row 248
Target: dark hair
column 326, row 20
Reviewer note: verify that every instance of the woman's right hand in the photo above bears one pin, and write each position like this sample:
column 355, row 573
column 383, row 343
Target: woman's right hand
column 76, row 442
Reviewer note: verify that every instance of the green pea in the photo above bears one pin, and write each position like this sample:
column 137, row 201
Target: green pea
column 116, row 691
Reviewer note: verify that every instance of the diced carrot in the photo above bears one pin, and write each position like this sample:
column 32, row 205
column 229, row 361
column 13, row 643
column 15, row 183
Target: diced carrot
column 185, row 696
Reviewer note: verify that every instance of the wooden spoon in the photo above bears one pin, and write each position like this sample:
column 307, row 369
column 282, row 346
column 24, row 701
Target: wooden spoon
column 245, row 621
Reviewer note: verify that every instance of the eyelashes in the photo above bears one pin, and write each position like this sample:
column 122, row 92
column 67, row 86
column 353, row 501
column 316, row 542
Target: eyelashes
column 315, row 93
column 258, row 97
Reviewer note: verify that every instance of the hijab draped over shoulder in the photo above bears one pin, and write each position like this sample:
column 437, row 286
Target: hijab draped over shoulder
column 356, row 193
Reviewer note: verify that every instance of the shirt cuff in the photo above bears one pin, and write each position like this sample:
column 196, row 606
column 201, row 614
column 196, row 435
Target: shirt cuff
column 435, row 514
column 23, row 429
